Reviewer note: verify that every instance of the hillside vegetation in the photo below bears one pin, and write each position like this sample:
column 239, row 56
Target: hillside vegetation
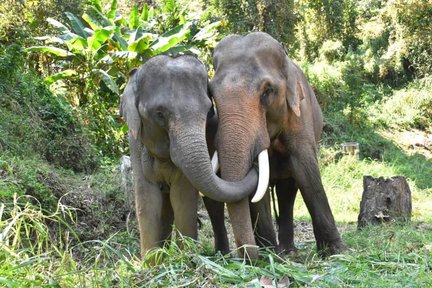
column 63, row 219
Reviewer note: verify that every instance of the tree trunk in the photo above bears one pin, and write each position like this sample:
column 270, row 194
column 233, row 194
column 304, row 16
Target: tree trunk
column 384, row 200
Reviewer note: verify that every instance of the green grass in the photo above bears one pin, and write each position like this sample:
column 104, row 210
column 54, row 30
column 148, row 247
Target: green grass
column 392, row 255
column 40, row 249
column 51, row 249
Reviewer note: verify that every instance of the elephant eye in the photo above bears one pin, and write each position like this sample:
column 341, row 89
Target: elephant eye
column 160, row 115
column 265, row 95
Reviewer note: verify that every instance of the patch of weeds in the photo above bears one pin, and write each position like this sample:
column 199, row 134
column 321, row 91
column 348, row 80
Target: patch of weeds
column 34, row 121
column 409, row 107
column 30, row 177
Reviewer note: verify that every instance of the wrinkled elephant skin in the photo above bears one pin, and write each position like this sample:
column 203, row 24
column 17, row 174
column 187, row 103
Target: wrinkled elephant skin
column 167, row 106
column 264, row 101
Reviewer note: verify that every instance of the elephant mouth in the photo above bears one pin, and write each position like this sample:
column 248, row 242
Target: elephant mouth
column 263, row 172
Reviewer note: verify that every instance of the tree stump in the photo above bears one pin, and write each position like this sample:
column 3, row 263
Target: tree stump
column 384, row 200
column 127, row 183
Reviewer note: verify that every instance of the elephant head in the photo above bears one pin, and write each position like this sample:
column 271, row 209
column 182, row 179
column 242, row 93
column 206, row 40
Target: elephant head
column 166, row 106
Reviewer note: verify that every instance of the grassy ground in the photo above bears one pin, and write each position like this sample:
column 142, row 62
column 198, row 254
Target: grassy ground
column 392, row 255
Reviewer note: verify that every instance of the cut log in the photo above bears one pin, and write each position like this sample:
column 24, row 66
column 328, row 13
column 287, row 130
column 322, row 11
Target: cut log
column 384, row 200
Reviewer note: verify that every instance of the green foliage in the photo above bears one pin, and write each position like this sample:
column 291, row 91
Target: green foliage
column 323, row 21
column 36, row 123
column 99, row 48
column 20, row 20
column 274, row 17
column 384, row 256
column 410, row 107
column 393, row 39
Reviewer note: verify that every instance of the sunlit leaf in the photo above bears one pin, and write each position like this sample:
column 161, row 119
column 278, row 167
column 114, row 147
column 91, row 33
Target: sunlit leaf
column 77, row 44
column 113, row 11
column 141, row 43
column 124, row 55
column 145, row 13
column 134, row 18
column 77, row 25
column 50, row 39
column 180, row 49
column 107, row 79
column 63, row 29
column 99, row 38
column 170, row 39
column 89, row 31
column 207, row 31
column 93, row 22
column 96, row 4
column 61, row 75
column 101, row 16
column 151, row 13
column 49, row 49
column 107, row 60
column 169, row 5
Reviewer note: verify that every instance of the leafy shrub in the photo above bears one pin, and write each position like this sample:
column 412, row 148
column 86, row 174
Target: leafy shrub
column 326, row 81
column 409, row 107
column 396, row 40
column 19, row 20
column 95, row 52
column 32, row 119
column 274, row 17
column 332, row 50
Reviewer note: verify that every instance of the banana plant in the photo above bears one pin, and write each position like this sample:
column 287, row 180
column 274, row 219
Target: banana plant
column 105, row 46
column 95, row 52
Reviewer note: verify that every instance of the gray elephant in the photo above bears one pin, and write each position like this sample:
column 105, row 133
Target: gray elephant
column 166, row 106
column 267, row 110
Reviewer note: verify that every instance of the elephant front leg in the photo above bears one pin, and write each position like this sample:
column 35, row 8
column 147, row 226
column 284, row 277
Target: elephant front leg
column 154, row 215
column 286, row 191
column 242, row 227
column 215, row 210
column 265, row 235
column 184, row 200
column 308, row 179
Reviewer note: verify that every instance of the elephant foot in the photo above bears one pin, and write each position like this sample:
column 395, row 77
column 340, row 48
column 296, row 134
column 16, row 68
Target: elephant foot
column 286, row 250
column 248, row 252
column 326, row 249
column 222, row 248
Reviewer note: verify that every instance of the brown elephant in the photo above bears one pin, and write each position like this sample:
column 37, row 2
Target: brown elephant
column 265, row 103
column 167, row 107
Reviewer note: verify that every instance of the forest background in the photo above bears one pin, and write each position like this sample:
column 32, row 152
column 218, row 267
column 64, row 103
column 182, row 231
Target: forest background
column 63, row 66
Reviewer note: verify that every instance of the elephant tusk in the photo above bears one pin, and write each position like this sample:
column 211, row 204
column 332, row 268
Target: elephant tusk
column 264, row 176
column 215, row 162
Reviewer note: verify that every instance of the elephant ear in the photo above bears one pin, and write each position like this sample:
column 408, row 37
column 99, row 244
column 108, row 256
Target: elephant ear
column 128, row 106
column 295, row 90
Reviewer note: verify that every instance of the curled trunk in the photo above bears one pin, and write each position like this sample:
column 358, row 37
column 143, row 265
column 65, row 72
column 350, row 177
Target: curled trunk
column 189, row 152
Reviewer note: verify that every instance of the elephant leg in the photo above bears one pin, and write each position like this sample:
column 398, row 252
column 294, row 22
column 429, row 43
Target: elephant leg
column 149, row 207
column 308, row 178
column 286, row 191
column 184, row 200
column 215, row 210
column 167, row 216
column 242, row 227
column 265, row 235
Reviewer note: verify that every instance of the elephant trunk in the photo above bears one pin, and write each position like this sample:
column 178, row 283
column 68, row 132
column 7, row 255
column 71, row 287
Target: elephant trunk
column 189, row 152
column 239, row 143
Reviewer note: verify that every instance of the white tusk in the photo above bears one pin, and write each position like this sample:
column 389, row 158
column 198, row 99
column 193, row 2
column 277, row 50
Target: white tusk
column 215, row 162
column 264, row 176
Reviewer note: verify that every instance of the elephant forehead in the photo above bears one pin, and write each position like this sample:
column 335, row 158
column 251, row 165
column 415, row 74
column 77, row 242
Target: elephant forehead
column 234, row 87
